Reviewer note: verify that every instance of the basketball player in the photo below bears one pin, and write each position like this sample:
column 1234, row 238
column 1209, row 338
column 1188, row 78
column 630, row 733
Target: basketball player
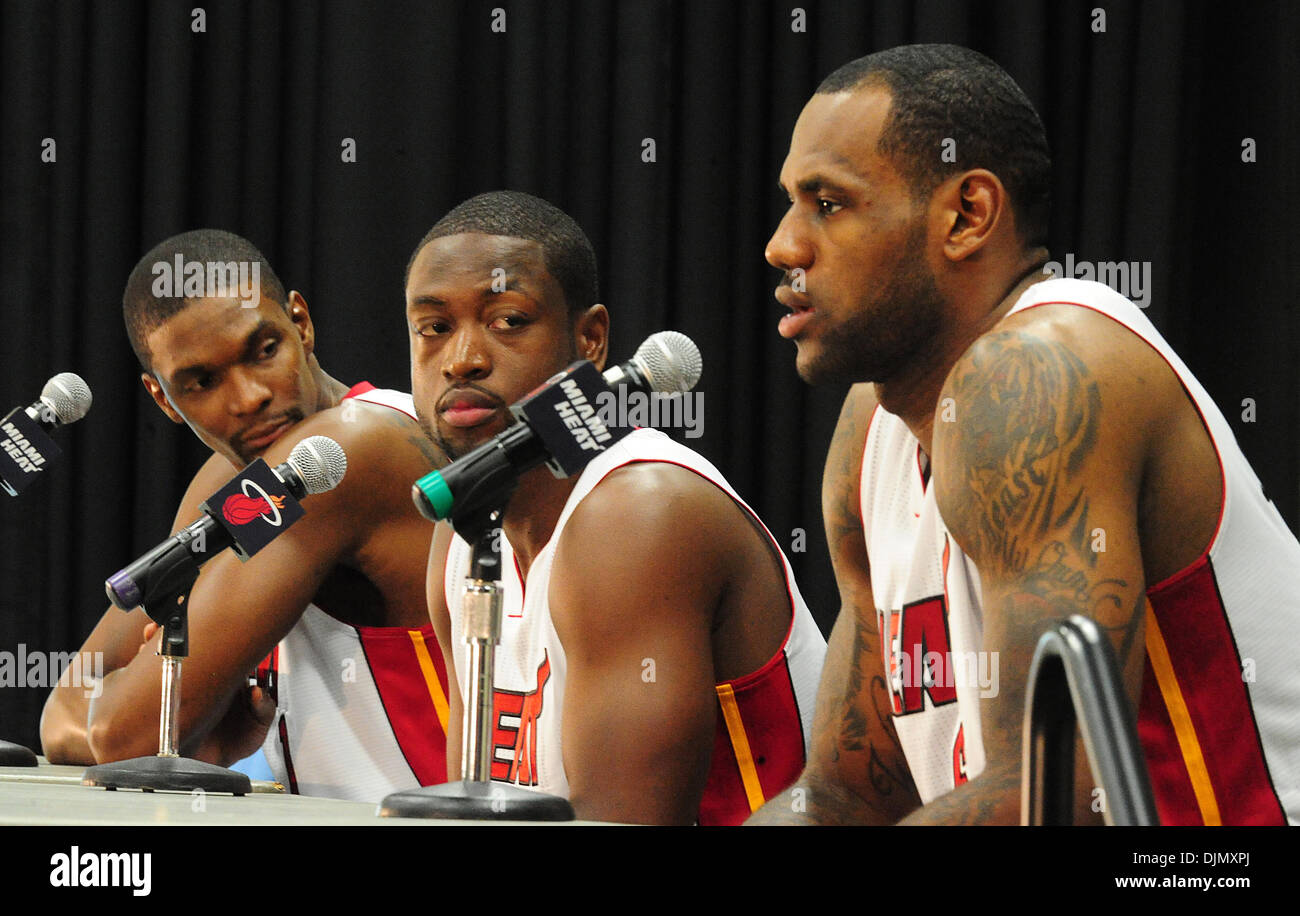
column 657, row 663
column 1018, row 449
column 339, row 596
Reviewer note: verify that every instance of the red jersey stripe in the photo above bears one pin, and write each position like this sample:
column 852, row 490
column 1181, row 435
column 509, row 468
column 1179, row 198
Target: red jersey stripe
column 767, row 715
column 1190, row 616
column 408, row 698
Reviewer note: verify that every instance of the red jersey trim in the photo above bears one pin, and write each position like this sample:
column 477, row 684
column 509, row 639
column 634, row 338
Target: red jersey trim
column 288, row 758
column 1201, row 649
column 359, row 388
column 404, row 695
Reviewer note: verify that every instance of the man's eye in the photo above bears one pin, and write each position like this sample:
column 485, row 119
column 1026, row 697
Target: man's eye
column 200, row 383
column 269, row 348
column 828, row 207
column 506, row 322
column 431, row 328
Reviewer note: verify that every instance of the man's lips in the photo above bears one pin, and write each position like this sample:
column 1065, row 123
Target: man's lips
column 262, row 436
column 802, row 312
column 468, row 408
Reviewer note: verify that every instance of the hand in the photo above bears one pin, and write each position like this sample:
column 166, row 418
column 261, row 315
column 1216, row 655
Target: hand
column 241, row 730
column 150, row 629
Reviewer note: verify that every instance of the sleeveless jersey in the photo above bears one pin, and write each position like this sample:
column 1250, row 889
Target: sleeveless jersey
column 763, row 720
column 360, row 711
column 1217, row 720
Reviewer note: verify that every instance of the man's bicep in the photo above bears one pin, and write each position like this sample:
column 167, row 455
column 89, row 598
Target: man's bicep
column 1037, row 477
column 639, row 718
column 640, row 706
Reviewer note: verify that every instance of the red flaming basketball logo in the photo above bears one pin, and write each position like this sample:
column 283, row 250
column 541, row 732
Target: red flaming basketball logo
column 240, row 509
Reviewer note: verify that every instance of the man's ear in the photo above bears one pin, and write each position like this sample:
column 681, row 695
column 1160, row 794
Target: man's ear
column 301, row 319
column 972, row 208
column 591, row 332
column 155, row 389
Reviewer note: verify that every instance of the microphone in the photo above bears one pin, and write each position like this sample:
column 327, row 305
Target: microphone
column 558, row 425
column 257, row 494
column 25, row 449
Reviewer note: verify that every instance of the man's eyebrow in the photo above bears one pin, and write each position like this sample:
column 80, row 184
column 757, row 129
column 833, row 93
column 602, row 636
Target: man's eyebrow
column 513, row 284
column 250, row 347
column 814, row 183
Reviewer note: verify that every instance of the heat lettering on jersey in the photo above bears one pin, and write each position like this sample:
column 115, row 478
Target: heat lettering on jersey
column 518, row 736
column 918, row 655
column 959, row 775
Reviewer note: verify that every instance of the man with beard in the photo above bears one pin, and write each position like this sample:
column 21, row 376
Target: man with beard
column 1017, row 449
column 657, row 664
column 358, row 707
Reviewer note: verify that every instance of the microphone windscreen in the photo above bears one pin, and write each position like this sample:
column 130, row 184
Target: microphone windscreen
column 69, row 395
column 320, row 462
column 671, row 361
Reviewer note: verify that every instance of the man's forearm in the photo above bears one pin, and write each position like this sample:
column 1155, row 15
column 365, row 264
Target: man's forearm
column 63, row 727
column 990, row 798
column 813, row 801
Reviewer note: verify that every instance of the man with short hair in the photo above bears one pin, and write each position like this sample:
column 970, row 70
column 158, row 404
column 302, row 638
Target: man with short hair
column 1017, row 449
column 360, row 705
column 657, row 663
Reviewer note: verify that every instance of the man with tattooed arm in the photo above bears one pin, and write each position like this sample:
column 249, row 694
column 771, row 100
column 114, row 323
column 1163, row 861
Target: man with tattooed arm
column 1015, row 449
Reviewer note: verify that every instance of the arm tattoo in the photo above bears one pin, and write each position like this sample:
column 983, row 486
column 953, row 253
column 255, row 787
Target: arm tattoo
column 843, row 469
column 1030, row 418
column 417, row 438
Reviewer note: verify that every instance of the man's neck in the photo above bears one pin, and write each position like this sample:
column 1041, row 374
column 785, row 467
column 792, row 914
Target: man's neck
column 532, row 513
column 330, row 391
column 913, row 395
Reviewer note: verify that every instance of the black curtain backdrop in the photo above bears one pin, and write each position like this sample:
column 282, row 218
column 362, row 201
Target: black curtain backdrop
column 158, row 129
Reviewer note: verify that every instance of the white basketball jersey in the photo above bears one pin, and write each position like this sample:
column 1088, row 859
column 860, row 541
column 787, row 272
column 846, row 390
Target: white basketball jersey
column 764, row 718
column 1218, row 718
column 360, row 711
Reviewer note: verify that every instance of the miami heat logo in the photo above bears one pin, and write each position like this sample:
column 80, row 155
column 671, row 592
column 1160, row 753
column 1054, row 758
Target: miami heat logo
column 240, row 510
column 514, row 730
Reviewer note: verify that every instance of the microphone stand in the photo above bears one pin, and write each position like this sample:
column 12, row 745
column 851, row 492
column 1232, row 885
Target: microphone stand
column 168, row 606
column 16, row 755
column 476, row 796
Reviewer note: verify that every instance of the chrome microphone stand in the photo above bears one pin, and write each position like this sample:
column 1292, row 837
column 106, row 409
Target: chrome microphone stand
column 168, row 605
column 476, row 796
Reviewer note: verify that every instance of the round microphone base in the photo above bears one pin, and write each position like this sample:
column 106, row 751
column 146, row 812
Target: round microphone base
column 15, row 755
column 476, row 801
column 166, row 774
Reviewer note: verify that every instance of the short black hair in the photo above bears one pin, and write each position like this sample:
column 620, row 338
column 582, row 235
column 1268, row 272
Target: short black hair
column 943, row 92
column 566, row 250
column 144, row 311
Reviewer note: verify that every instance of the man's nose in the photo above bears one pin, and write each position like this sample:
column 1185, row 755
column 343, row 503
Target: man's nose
column 788, row 248
column 248, row 393
column 466, row 358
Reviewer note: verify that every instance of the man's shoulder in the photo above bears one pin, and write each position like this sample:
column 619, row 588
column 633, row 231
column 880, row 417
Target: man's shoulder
column 1068, row 333
column 374, row 435
column 649, row 478
column 661, row 507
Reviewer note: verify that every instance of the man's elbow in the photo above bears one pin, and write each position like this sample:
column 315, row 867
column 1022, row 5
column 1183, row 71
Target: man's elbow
column 109, row 739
